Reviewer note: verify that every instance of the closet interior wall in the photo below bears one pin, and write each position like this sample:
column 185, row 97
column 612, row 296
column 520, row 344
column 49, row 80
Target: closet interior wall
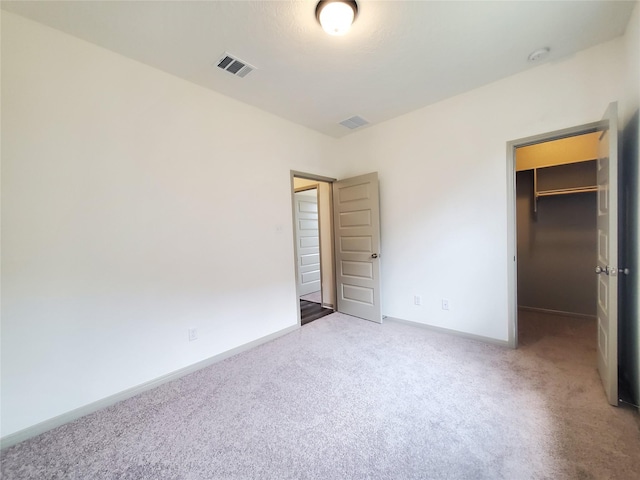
column 556, row 226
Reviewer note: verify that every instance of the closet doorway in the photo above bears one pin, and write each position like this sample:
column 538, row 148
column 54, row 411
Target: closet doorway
column 563, row 242
column 556, row 211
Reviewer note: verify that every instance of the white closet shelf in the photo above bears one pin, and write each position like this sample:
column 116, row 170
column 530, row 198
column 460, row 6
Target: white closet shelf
column 585, row 187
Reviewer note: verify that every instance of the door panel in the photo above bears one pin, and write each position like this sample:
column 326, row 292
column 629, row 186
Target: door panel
column 607, row 268
column 357, row 240
column 307, row 237
column 357, row 269
column 356, row 244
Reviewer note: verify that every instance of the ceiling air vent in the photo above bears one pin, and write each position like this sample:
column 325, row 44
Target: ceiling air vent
column 233, row 65
column 354, row 122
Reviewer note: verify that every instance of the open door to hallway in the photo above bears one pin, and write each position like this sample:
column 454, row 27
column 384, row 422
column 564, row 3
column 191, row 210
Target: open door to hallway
column 357, row 241
column 349, row 238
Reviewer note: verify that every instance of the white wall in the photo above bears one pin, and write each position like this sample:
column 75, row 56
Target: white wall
column 126, row 220
column 631, row 77
column 443, row 174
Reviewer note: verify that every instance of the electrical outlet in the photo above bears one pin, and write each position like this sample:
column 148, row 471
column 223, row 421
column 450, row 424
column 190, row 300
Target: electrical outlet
column 417, row 300
column 445, row 304
column 193, row 334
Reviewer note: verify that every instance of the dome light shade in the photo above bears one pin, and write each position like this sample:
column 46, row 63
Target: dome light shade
column 336, row 16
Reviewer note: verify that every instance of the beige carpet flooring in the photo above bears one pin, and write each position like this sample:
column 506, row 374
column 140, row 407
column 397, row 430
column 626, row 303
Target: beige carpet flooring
column 347, row 399
column 558, row 356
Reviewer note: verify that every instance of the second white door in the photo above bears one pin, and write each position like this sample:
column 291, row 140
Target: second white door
column 307, row 237
column 357, row 246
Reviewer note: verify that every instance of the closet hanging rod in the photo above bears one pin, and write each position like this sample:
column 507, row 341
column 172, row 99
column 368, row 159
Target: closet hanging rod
column 567, row 191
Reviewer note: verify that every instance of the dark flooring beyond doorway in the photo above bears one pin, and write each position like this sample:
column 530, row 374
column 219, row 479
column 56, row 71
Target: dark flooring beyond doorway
column 310, row 311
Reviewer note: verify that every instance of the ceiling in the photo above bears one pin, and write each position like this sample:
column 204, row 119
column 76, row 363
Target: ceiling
column 398, row 56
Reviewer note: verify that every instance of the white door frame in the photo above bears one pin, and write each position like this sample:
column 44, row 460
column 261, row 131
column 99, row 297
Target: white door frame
column 512, row 245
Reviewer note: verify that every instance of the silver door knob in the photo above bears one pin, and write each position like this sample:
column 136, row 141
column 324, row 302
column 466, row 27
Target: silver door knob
column 599, row 269
column 374, row 255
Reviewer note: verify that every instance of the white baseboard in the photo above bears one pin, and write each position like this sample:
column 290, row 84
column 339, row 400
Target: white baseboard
column 558, row 312
column 37, row 429
column 470, row 336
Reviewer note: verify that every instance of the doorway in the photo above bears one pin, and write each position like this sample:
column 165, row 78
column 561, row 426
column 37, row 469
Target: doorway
column 314, row 247
column 348, row 212
column 556, row 224
column 605, row 265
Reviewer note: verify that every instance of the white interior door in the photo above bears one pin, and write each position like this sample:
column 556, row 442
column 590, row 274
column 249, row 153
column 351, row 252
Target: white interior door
column 607, row 268
column 357, row 240
column 306, row 207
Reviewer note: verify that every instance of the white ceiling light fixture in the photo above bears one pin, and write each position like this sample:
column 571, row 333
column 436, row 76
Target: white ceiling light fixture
column 336, row 16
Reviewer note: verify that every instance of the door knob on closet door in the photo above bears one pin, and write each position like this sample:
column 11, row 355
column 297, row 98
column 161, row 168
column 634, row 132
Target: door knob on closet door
column 374, row 255
column 600, row 270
